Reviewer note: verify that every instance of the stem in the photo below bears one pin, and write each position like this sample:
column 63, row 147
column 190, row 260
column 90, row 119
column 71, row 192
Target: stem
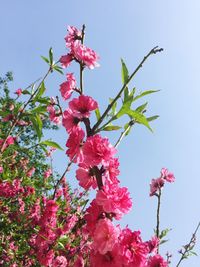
column 158, row 216
column 151, row 52
column 81, row 64
column 123, row 134
column 188, row 246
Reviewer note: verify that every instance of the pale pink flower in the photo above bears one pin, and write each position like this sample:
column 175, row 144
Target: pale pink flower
column 53, row 115
column 67, row 87
column 105, row 236
column 82, row 106
column 85, row 55
column 66, row 60
column 30, row 172
column 86, row 177
column 74, row 144
column 114, row 199
column 97, row 150
column 47, row 173
column 156, row 184
column 157, row 261
column 73, row 34
column 168, row 176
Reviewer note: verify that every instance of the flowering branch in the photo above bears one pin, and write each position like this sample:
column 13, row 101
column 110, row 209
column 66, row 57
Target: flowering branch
column 81, row 64
column 158, row 214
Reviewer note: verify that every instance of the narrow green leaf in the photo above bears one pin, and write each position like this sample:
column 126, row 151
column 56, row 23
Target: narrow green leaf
column 111, row 128
column 37, row 125
column 141, row 108
column 97, row 112
column 51, row 56
column 113, row 106
column 139, row 118
column 145, row 93
column 52, row 144
column 45, row 59
column 124, row 72
column 26, row 92
column 39, row 109
column 58, row 69
column 153, row 118
column 41, row 90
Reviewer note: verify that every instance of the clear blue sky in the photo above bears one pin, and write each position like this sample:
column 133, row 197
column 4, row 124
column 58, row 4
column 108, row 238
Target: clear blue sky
column 128, row 29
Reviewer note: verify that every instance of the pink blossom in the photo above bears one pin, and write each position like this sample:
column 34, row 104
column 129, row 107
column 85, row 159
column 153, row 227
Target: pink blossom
column 105, row 236
column 109, row 259
column 157, row 261
column 86, row 177
column 1, row 169
column 153, row 244
column 69, row 121
column 79, row 262
column 74, row 144
column 168, row 176
column 111, row 169
column 60, row 261
column 97, row 150
column 73, row 34
column 67, row 87
column 30, row 172
column 156, row 184
column 18, row 92
column 82, row 106
column 85, row 55
column 47, row 173
column 66, row 60
column 114, row 199
column 53, row 115
column 10, row 140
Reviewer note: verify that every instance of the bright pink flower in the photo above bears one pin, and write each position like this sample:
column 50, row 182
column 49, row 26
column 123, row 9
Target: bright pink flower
column 73, row 34
column 153, row 244
column 112, row 170
column 85, row 55
column 69, row 224
column 86, row 177
column 68, row 87
column 168, row 176
column 114, row 199
column 10, row 140
column 66, row 60
column 60, row 261
column 97, row 150
column 79, row 262
column 18, row 92
column 93, row 214
column 82, row 106
column 74, row 144
column 69, row 121
column 131, row 248
column 157, row 261
column 105, row 236
column 109, row 259
column 155, row 185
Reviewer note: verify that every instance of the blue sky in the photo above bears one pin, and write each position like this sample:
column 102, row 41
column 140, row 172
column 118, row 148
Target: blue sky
column 127, row 29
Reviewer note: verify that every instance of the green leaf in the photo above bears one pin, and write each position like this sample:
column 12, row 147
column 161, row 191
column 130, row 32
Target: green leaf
column 124, row 72
column 26, row 92
column 97, row 112
column 145, row 93
column 41, row 91
column 111, row 128
column 51, row 143
column 127, row 126
column 164, row 233
column 153, row 118
column 114, row 106
column 51, row 56
column 139, row 118
column 39, row 109
column 45, row 59
column 141, row 108
column 58, row 69
column 37, row 125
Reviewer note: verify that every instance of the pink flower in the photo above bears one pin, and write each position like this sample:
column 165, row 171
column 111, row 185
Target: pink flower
column 68, row 87
column 85, row 55
column 82, row 106
column 66, row 60
column 168, row 176
column 112, row 170
column 114, row 199
column 79, row 262
column 97, row 150
column 1, row 169
column 157, row 261
column 73, row 34
column 60, row 261
column 30, row 172
column 105, row 236
column 74, row 144
column 155, row 185
column 47, row 173
column 109, row 259
column 53, row 115
column 18, row 92
column 10, row 140
column 69, row 121
column 153, row 244
column 86, row 177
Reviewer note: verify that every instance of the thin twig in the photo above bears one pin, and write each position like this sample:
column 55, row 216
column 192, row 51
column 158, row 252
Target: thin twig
column 81, row 64
column 123, row 134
